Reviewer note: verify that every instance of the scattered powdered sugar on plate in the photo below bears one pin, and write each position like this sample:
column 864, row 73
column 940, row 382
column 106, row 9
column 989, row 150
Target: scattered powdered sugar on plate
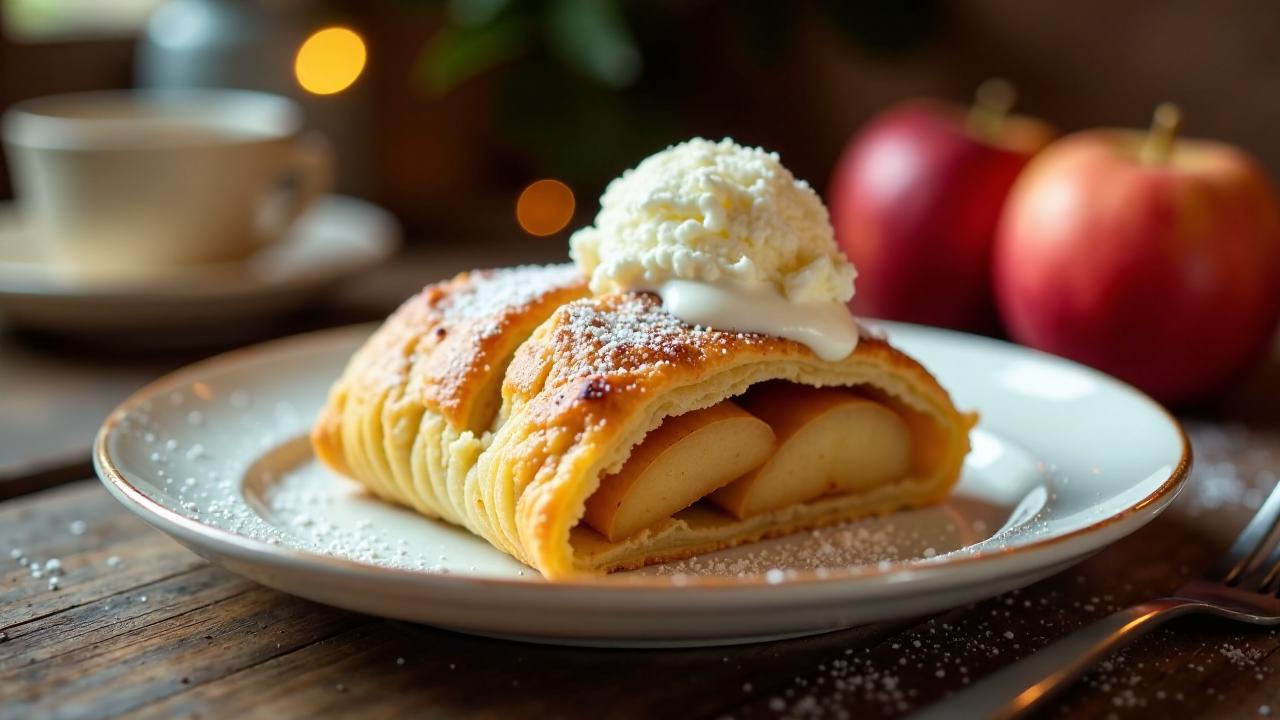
column 962, row 527
column 329, row 516
column 868, row 542
column 208, row 486
column 258, row 479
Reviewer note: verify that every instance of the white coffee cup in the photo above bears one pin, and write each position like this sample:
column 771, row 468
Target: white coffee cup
column 134, row 183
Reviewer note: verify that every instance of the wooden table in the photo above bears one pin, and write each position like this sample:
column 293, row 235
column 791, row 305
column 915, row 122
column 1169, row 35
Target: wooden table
column 140, row 625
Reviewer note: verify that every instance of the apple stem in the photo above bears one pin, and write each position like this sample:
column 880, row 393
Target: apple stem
column 991, row 103
column 1165, row 122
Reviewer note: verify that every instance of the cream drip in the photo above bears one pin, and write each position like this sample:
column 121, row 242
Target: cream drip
column 826, row 327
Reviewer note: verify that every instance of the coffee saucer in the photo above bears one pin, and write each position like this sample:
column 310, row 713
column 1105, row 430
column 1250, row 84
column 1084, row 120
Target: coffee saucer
column 338, row 237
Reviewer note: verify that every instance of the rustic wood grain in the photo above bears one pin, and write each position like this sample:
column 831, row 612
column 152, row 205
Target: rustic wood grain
column 206, row 643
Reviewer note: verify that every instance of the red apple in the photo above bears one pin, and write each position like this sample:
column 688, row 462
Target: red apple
column 915, row 199
column 1155, row 260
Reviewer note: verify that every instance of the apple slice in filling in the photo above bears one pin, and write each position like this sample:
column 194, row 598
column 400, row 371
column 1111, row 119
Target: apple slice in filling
column 677, row 464
column 830, row 441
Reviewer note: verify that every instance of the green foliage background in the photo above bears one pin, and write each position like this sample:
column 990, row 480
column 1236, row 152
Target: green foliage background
column 586, row 86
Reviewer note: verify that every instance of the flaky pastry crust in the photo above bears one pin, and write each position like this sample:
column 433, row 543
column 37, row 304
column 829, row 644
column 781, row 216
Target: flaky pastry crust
column 497, row 400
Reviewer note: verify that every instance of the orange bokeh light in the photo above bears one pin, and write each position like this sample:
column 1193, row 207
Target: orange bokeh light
column 330, row 60
column 545, row 207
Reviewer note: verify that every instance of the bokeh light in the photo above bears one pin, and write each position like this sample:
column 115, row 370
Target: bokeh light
column 330, row 60
column 545, row 207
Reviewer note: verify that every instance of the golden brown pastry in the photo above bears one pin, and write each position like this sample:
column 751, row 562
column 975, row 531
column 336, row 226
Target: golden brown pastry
column 503, row 400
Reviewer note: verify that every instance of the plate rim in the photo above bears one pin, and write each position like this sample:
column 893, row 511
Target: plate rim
column 151, row 510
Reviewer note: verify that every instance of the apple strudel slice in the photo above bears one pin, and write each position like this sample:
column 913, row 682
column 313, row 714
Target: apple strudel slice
column 590, row 434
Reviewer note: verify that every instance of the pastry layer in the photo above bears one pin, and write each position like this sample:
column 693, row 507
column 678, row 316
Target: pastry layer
column 418, row 418
column 407, row 417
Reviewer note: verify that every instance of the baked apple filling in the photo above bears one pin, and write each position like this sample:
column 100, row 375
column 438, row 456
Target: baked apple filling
column 681, row 461
column 778, row 445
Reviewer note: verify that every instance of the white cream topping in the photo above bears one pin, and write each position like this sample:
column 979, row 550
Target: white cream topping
column 826, row 327
column 730, row 239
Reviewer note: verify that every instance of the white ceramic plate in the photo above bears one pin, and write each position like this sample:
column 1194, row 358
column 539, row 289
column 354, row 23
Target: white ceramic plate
column 337, row 237
column 1066, row 460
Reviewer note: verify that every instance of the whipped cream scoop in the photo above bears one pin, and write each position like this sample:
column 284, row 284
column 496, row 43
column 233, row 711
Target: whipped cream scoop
column 729, row 239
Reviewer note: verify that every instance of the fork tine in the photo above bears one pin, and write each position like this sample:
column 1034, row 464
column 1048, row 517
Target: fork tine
column 1263, row 577
column 1250, row 543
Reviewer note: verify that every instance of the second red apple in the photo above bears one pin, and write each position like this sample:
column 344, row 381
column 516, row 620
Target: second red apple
column 1154, row 259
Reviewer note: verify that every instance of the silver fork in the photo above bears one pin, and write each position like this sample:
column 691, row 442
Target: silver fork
column 1242, row 586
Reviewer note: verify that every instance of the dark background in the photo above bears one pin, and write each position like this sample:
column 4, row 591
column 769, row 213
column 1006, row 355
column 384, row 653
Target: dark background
column 798, row 78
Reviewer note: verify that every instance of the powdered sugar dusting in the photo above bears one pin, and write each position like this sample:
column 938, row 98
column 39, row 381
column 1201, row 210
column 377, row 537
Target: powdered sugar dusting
column 622, row 342
column 456, row 335
column 631, row 335
column 871, row 542
column 493, row 293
